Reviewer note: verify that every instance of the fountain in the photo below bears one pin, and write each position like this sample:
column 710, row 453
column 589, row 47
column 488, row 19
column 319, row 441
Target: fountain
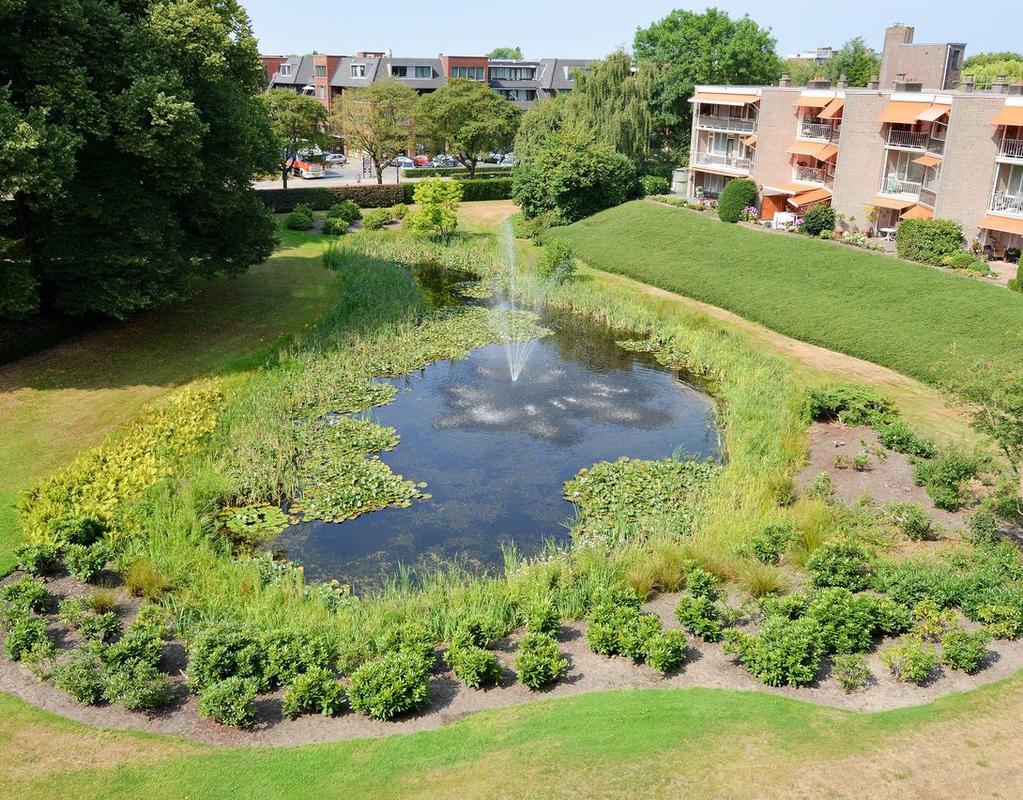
column 515, row 327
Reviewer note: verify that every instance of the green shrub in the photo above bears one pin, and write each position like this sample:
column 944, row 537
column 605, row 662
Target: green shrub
column 141, row 644
column 101, row 627
column 945, row 476
column 72, row 610
column 488, row 188
column 911, row 520
column 542, row 617
column 137, row 686
column 768, row 544
column 534, row 227
column 930, row 622
column 474, row 666
column 335, row 227
column 375, row 218
column 399, row 210
column 317, row 691
column 896, row 435
column 81, row 676
column 24, row 635
column 654, row 184
column 556, row 262
column 539, row 662
column 396, row 684
column 413, row 639
column 891, row 617
column 700, row 583
column 818, row 219
column 983, row 526
column 219, row 652
column 666, row 651
column 963, row 650
column 345, row 210
column 486, row 170
column 928, row 240
column 842, row 563
column 62, row 531
column 474, row 632
column 851, row 672
column 287, row 654
column 298, row 221
column 910, row 660
column 737, row 195
column 229, row 702
column 322, row 198
column 85, row 562
column 637, row 637
column 849, row 403
column 1002, row 622
column 37, row 559
column 846, row 620
column 860, row 462
column 700, row 616
column 909, row 582
column 21, row 597
column 962, row 261
column 783, row 652
column 821, row 487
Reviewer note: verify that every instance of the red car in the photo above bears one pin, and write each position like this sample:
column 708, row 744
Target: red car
column 421, row 161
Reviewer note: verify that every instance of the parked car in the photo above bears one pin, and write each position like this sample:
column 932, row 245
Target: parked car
column 308, row 165
column 446, row 161
column 336, row 159
column 493, row 158
column 421, row 161
column 509, row 160
column 402, row 161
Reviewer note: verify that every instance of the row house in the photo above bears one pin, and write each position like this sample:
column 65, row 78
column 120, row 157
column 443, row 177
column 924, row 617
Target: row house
column 879, row 155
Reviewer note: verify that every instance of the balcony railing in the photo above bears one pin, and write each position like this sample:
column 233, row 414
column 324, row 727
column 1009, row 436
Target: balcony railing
column 814, row 174
column 911, row 139
column 815, row 130
column 737, row 124
column 893, row 184
column 1011, row 148
column 1013, row 203
column 719, row 160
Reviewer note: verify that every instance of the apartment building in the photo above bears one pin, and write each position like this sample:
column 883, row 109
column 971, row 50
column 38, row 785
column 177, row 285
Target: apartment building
column 902, row 149
column 327, row 77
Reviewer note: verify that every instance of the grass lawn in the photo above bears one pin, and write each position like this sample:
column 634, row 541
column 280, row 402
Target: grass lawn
column 68, row 397
column 642, row 743
column 904, row 316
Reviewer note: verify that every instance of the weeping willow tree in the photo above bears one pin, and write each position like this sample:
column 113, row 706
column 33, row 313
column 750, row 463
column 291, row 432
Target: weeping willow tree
column 613, row 99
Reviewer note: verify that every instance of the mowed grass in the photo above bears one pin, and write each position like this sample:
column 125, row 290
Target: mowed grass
column 643, row 743
column 66, row 398
column 904, row 316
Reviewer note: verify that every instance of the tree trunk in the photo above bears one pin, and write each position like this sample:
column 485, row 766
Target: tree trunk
column 380, row 172
column 284, row 174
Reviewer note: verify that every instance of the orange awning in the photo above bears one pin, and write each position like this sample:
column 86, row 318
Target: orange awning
column 827, row 152
column 784, row 188
column 832, row 108
column 749, row 141
column 805, row 149
column 715, row 170
column 927, row 161
column 1009, row 115
column 902, row 111
column 890, row 202
column 936, row 111
column 812, row 102
column 1003, row 224
column 809, row 198
column 724, row 98
column 917, row 212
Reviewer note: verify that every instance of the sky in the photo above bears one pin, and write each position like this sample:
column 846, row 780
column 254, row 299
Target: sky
column 579, row 29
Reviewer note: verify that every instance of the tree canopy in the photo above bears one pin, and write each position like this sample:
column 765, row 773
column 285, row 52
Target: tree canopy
column 379, row 121
column 510, row 53
column 985, row 67
column 854, row 60
column 130, row 134
column 468, row 117
column 296, row 121
column 691, row 48
column 614, row 102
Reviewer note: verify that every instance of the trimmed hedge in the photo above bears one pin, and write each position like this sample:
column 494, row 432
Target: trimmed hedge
column 321, row 198
column 928, row 240
column 447, row 172
column 486, row 189
column 737, row 195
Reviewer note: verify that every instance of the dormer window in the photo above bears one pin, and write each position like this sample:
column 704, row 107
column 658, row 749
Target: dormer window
column 424, row 72
column 358, row 70
column 285, row 70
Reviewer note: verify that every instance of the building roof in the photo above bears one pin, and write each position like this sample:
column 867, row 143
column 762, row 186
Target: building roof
column 301, row 72
column 556, row 73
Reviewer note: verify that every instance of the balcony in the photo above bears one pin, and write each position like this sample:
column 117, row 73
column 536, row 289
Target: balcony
column 1011, row 148
column 893, row 184
column 811, row 174
column 723, row 161
column 1007, row 203
column 928, row 197
column 735, row 124
column 818, row 131
column 915, row 140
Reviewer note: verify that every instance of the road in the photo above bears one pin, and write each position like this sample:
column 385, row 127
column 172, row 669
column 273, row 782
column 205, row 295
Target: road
column 350, row 173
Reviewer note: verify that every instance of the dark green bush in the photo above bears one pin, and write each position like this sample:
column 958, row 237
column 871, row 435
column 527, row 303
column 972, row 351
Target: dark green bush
column 844, row 563
column 539, row 662
column 72, row 610
column 541, row 617
column 474, row 666
column 413, row 639
column 375, row 218
column 230, row 701
column 783, row 652
column 737, row 195
column 963, row 650
column 345, row 210
column 909, row 582
column 82, row 676
column 137, row 686
column 396, row 684
column 910, row 660
column 911, row 520
column 317, row 691
column 335, row 227
column 768, row 544
column 21, row 597
column 223, row 651
column 141, row 644
column 700, row 583
column 818, row 219
column 322, row 198
column 945, row 476
column 86, row 562
column 75, row 530
column 851, row 672
column 485, row 170
column 928, row 240
column 24, row 635
column 853, row 405
column 846, row 620
column 556, row 262
column 983, row 526
column 298, row 221
column 287, row 654
column 666, row 651
column 654, row 184
column 534, row 227
column 700, row 616
column 37, row 559
column 475, row 632
column 636, row 638
column 896, row 435
column 962, row 261
column 486, row 189
column 101, row 627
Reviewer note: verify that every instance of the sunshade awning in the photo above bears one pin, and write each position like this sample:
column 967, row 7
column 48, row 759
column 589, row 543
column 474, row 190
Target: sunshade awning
column 831, row 109
column 724, row 98
column 804, row 199
column 805, row 148
column 927, row 160
column 1009, row 115
column 903, row 111
column 784, row 188
column 936, row 111
column 827, row 152
column 809, row 101
column 917, row 212
column 891, row 202
column 1003, row 224
column 749, row 141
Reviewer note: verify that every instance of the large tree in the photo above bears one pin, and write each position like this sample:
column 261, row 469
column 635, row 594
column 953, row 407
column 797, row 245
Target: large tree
column 469, row 118
column 379, row 121
column 613, row 99
column 510, row 53
column 691, row 48
column 854, row 60
column 297, row 121
column 985, row 67
column 130, row 134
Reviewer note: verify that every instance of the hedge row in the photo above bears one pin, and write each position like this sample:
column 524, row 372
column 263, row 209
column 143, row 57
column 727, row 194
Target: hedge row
column 320, row 198
column 447, row 172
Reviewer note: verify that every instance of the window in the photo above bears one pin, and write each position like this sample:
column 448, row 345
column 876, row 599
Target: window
column 512, row 73
column 321, row 71
column 472, row 73
column 319, row 92
column 517, row 94
column 285, row 70
column 954, row 59
column 424, row 72
column 358, row 70
column 399, row 71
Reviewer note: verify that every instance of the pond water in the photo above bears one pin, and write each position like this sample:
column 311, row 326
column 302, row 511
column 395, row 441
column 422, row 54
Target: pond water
column 496, row 451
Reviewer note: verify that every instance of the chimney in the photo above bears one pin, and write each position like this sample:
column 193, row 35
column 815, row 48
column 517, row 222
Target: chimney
column 1000, row 85
column 843, row 81
column 818, row 83
column 785, row 80
column 907, row 84
column 968, row 83
column 874, row 82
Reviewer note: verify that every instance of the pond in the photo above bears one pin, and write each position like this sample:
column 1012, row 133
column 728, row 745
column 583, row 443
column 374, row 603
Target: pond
column 496, row 451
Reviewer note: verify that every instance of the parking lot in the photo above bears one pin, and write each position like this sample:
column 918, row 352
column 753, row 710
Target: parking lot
column 350, row 173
